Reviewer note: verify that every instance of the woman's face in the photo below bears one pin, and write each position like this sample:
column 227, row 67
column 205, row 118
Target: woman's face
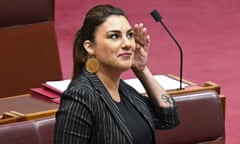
column 114, row 44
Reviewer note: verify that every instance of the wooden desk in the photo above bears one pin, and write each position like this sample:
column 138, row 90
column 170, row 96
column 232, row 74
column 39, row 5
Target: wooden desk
column 193, row 87
column 25, row 107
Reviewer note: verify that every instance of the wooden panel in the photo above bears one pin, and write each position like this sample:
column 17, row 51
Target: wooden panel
column 29, row 56
column 17, row 12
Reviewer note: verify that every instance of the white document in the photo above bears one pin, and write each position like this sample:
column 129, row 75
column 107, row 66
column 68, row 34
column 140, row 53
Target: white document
column 60, row 85
column 166, row 82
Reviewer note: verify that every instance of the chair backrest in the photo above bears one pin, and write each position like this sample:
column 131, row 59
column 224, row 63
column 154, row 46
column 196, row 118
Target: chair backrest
column 37, row 131
column 45, row 130
column 201, row 120
column 29, row 52
column 18, row 133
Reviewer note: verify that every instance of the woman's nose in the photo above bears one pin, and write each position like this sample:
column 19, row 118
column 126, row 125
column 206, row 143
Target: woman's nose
column 126, row 42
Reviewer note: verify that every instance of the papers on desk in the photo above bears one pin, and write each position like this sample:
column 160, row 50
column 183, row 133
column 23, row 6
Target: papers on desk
column 52, row 90
column 57, row 86
column 166, row 82
column 44, row 92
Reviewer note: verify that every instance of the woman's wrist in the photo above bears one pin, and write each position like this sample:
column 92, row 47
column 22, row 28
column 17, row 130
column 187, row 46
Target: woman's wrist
column 140, row 72
column 154, row 89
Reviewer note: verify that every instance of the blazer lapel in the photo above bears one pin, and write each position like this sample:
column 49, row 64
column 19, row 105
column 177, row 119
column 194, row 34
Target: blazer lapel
column 112, row 107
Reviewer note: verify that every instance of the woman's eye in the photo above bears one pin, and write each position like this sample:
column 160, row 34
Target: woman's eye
column 130, row 35
column 114, row 36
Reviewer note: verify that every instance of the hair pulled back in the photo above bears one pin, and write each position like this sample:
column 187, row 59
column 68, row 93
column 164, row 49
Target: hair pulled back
column 93, row 19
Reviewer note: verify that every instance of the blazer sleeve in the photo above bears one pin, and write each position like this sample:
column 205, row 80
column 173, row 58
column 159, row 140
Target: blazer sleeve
column 74, row 121
column 164, row 118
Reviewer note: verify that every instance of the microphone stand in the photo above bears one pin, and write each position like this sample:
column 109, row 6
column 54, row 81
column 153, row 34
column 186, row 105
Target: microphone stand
column 158, row 18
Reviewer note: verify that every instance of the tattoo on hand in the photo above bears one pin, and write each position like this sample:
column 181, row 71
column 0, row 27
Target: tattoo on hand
column 166, row 98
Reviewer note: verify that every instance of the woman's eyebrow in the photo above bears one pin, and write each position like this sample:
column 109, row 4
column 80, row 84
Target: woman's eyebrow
column 118, row 31
column 114, row 31
column 130, row 30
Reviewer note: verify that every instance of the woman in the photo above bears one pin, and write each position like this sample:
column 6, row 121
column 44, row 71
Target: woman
column 98, row 107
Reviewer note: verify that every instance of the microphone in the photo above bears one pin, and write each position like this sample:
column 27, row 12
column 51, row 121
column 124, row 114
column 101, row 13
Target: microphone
column 158, row 18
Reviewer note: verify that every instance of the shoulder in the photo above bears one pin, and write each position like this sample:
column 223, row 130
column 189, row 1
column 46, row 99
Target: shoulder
column 78, row 103
column 79, row 88
column 79, row 97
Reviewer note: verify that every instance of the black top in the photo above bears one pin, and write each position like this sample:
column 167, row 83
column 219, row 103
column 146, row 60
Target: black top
column 88, row 114
column 136, row 124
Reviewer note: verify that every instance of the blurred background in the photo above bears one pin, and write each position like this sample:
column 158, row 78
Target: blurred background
column 207, row 30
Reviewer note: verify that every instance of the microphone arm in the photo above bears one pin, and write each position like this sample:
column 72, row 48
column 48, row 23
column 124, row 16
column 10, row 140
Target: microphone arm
column 158, row 18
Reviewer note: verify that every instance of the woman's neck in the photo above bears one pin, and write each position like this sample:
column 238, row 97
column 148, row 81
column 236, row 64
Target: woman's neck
column 111, row 81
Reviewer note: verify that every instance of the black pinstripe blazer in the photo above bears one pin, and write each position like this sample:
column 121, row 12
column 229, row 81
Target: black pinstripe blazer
column 88, row 115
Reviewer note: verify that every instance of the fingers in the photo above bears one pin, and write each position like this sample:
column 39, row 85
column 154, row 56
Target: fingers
column 142, row 40
column 141, row 37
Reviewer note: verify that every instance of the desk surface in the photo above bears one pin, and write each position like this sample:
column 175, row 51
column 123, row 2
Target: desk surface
column 26, row 104
column 31, row 107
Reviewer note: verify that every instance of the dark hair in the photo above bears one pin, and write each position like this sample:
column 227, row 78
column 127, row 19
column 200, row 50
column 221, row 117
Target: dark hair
column 93, row 19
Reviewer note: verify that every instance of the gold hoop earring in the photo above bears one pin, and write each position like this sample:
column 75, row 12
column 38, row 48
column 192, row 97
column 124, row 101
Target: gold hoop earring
column 92, row 65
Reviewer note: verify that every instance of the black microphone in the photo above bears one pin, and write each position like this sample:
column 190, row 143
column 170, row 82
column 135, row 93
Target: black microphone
column 158, row 18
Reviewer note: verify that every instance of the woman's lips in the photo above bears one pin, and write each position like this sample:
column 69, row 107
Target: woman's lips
column 127, row 54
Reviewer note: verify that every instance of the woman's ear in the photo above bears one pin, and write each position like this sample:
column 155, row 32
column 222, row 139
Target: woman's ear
column 88, row 45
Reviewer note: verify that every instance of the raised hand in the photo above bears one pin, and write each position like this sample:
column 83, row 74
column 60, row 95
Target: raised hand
column 142, row 40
